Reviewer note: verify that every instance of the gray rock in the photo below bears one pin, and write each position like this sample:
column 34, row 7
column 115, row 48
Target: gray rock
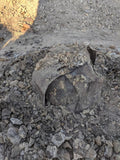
column 51, row 151
column 78, row 143
column 31, row 142
column 64, row 155
column 21, row 84
column 15, row 151
column 87, row 147
column 59, row 138
column 118, row 49
column 1, row 75
column 11, row 72
column 14, row 83
column 116, row 145
column 77, row 156
column 2, row 152
column 67, row 145
column 91, row 154
column 108, row 151
column 86, row 111
column 65, row 92
column 6, row 113
column 80, row 135
column 113, row 55
column 20, row 73
column 22, row 131
column 79, row 147
column 98, row 140
column 35, row 156
column 13, row 135
column 92, row 112
column 115, row 157
column 22, row 153
column 69, row 80
column 24, row 146
column 16, row 121
column 41, row 154
column 1, row 138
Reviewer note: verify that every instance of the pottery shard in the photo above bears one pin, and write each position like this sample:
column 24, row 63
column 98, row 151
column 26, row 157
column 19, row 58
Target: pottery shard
column 67, row 79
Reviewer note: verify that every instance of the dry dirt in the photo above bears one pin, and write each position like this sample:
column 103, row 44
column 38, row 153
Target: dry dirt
column 92, row 21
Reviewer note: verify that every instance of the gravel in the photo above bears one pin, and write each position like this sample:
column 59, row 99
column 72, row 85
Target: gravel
column 30, row 129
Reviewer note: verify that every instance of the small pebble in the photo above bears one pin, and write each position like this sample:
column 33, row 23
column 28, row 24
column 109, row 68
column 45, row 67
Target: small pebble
column 31, row 142
column 115, row 157
column 51, row 151
column 14, row 83
column 22, row 131
column 21, row 84
column 13, row 135
column 91, row 154
column 59, row 138
column 16, row 121
column 1, row 139
column 2, row 149
column 98, row 140
column 108, row 151
column 116, row 145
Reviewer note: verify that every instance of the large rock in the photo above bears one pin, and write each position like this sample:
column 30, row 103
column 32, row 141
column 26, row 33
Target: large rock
column 68, row 79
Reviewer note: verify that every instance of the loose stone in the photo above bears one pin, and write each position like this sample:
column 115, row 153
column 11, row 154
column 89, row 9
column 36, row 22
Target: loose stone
column 13, row 135
column 116, row 145
column 51, row 151
column 98, row 140
column 16, row 121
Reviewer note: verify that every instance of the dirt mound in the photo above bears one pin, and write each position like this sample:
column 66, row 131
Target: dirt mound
column 56, row 131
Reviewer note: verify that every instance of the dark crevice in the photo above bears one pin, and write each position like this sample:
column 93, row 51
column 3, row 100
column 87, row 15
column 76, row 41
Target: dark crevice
column 92, row 54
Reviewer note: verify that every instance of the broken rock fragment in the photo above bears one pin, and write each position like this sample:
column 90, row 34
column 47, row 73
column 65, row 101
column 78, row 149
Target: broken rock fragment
column 59, row 138
column 68, row 79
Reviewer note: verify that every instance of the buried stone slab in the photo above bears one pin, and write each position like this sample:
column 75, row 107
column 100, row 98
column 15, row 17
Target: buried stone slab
column 67, row 79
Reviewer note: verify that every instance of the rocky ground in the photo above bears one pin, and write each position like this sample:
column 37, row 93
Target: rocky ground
column 30, row 130
column 60, row 84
